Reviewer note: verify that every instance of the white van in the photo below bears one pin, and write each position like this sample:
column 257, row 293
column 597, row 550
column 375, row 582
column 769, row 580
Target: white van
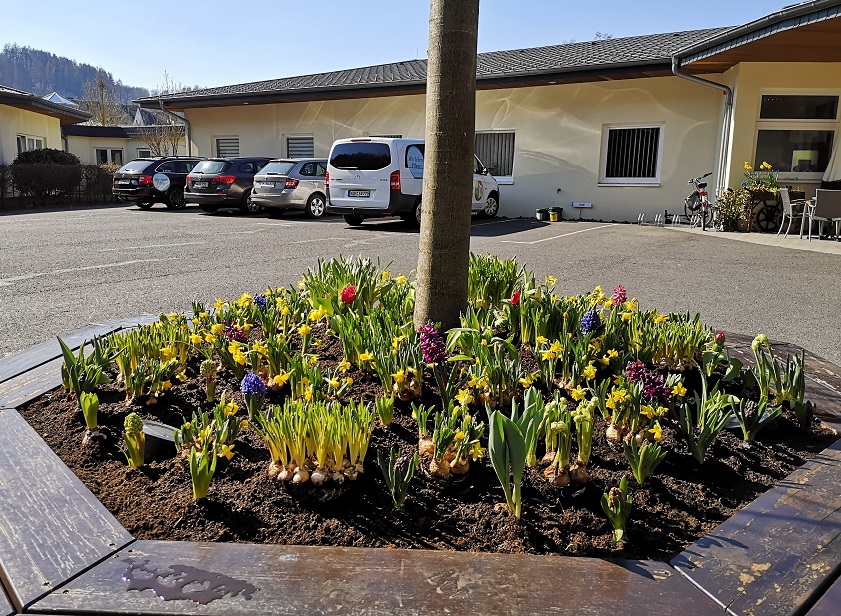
column 372, row 177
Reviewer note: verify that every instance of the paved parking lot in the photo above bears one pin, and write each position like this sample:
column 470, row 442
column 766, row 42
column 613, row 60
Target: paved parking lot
column 62, row 269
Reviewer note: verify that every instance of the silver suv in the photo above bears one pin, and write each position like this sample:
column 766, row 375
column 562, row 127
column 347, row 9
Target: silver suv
column 296, row 184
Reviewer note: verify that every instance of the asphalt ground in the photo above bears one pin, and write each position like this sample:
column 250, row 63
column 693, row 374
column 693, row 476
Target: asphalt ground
column 63, row 269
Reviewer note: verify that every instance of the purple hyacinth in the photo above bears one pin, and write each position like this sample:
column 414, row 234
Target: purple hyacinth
column 253, row 385
column 591, row 321
column 635, row 371
column 655, row 387
column 234, row 332
column 432, row 345
column 260, row 300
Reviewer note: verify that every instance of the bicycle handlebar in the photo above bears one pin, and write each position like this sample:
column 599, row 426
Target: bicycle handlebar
column 698, row 179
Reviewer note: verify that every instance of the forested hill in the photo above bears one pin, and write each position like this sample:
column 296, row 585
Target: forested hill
column 41, row 72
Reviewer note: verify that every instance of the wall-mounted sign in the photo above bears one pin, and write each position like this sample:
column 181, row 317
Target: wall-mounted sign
column 581, row 204
column 161, row 182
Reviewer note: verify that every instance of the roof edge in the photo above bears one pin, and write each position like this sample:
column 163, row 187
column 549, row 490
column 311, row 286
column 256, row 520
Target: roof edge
column 40, row 105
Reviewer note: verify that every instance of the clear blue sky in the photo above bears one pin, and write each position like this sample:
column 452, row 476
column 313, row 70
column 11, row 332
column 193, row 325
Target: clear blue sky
column 212, row 43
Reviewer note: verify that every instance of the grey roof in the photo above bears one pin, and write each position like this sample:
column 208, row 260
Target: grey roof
column 591, row 55
column 31, row 102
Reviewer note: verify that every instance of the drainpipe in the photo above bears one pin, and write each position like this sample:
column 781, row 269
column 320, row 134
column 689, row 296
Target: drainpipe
column 728, row 118
column 187, row 132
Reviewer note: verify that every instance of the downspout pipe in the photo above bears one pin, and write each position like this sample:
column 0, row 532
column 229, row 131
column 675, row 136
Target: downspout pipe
column 727, row 123
column 187, row 133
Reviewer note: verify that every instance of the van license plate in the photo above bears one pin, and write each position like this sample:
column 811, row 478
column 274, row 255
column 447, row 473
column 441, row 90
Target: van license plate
column 359, row 193
column 199, row 184
column 266, row 184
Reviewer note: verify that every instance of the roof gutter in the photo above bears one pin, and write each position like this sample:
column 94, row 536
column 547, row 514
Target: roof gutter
column 727, row 121
column 188, row 132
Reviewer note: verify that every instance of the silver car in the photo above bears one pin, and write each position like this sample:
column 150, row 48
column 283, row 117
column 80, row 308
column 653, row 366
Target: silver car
column 296, row 184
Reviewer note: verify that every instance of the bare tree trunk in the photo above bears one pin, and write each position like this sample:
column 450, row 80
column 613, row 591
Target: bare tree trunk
column 448, row 169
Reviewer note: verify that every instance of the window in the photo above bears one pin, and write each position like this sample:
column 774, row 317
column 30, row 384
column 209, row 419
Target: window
column 278, row 168
column 308, row 170
column 631, row 155
column 211, row 166
column 27, row 143
column 361, row 155
column 496, row 151
column 105, row 156
column 227, row 147
column 144, row 153
column 795, row 134
column 247, row 167
column 300, row 147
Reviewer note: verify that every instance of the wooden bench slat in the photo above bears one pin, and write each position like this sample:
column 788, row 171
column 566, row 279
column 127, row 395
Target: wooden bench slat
column 830, row 603
column 51, row 526
column 31, row 384
column 5, row 604
column 775, row 555
column 318, row 580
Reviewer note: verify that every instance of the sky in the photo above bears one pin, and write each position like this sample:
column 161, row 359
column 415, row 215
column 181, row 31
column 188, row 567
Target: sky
column 214, row 43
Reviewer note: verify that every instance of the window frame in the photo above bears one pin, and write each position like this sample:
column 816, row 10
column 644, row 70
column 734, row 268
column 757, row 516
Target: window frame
column 790, row 124
column 109, row 156
column 217, row 138
column 623, row 181
column 141, row 155
column 500, row 179
column 286, row 139
column 34, row 138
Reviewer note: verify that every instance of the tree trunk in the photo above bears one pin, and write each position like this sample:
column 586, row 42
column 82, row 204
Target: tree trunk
column 444, row 251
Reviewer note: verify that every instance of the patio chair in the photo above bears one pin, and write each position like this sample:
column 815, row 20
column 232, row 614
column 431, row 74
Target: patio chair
column 826, row 209
column 788, row 211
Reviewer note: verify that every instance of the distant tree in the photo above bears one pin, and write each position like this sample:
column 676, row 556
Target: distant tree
column 102, row 102
column 444, row 251
column 167, row 134
column 603, row 36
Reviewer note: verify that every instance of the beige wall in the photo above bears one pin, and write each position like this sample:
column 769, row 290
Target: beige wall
column 749, row 82
column 14, row 122
column 85, row 147
column 558, row 137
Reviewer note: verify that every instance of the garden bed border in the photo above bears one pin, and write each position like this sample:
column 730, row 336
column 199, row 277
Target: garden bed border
column 61, row 552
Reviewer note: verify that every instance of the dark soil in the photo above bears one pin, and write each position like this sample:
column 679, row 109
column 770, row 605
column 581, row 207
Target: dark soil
column 677, row 506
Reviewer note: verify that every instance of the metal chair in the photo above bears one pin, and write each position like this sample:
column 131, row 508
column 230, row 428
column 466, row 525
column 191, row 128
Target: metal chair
column 825, row 209
column 788, row 211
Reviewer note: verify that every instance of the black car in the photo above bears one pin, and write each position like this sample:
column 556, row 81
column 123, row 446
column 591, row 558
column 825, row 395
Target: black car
column 147, row 181
column 224, row 182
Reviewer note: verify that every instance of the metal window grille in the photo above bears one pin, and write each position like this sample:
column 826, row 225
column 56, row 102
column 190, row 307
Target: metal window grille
column 300, row 147
column 496, row 151
column 227, row 147
column 632, row 152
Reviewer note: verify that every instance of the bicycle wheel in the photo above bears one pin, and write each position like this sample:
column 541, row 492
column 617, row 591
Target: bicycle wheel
column 692, row 204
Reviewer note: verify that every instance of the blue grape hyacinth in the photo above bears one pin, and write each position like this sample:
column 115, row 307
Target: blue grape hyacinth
column 590, row 322
column 253, row 385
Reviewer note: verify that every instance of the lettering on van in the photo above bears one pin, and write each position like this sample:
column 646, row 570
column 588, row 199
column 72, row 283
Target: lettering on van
column 414, row 161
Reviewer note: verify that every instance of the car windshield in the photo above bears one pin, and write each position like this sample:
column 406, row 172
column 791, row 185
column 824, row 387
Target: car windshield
column 365, row 156
column 135, row 165
column 211, row 166
column 278, row 168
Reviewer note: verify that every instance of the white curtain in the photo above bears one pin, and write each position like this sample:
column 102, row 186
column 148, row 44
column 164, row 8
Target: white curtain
column 833, row 169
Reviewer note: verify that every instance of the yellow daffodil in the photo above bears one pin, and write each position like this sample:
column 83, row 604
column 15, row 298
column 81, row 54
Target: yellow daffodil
column 234, row 347
column 526, row 381
column 551, row 280
column 335, row 383
column 227, row 451
column 385, row 275
column 473, row 381
column 656, row 431
column 304, row 330
column 344, row 365
column 541, row 339
column 459, row 436
column 244, row 424
column 302, row 285
column 281, row 378
column 748, row 166
column 167, row 353
column 476, row 452
column 209, row 337
column 661, row 411
column 613, row 354
column 661, row 318
column 246, row 328
column 589, row 372
column 166, row 385
column 578, row 393
column 188, row 425
column 605, row 360
column 549, row 355
column 218, row 304
column 195, row 339
column 679, row 390
column 401, row 279
column 308, row 394
column 245, row 300
column 202, row 315
column 181, row 376
column 630, row 305
column 317, row 314
column 240, row 358
column 646, row 410
column 626, row 316
column 217, row 329
column 556, row 347
column 399, row 376
column 348, row 380
column 231, row 408
column 464, row 397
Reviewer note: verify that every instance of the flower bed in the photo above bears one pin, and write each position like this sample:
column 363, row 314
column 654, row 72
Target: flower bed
column 282, row 403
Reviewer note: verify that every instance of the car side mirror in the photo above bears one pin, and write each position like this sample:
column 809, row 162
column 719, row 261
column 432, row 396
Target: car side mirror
column 484, row 171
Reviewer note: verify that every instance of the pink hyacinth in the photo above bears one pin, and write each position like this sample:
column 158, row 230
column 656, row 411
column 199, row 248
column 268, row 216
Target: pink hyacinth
column 619, row 295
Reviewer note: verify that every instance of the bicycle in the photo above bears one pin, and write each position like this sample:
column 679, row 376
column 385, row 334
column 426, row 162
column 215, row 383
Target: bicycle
column 697, row 203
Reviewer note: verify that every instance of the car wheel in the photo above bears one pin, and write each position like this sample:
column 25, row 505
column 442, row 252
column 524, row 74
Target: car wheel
column 491, row 207
column 248, row 206
column 145, row 205
column 175, row 199
column 210, row 209
column 418, row 213
column 353, row 221
column 315, row 206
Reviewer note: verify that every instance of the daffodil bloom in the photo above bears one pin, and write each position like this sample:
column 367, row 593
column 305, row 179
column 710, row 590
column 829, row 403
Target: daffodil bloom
column 484, row 342
column 620, row 395
column 395, row 342
column 630, row 305
column 231, row 408
column 195, row 339
column 605, row 360
column 234, row 347
column 167, row 353
column 181, row 376
column 227, row 452
column 240, row 358
column 209, row 337
column 551, row 280
column 661, row 318
column 656, row 431
column 647, row 411
column 473, row 381
column 301, row 285
column 244, row 424
column 204, row 434
column 748, row 166
column 401, row 279
column 541, row 339
column 556, row 347
column 281, row 378
column 366, row 356
column 317, row 314
column 245, row 300
column 464, row 397
column 459, row 436
column 679, row 390
column 549, row 355
column 476, row 452
column 348, row 380
column 202, row 315
column 626, row 316
column 613, row 354
column 304, row 330
column 399, row 376
column 344, row 365
column 188, row 425
column 589, row 372
column 246, row 328
column 385, row 275
column 526, row 381
column 217, row 329
column 335, row 383
column 166, row 385
column 308, row 395
column 661, row 411
column 285, row 311
column 578, row 393
column 218, row 304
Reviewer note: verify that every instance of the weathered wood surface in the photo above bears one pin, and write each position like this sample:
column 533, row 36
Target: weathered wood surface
column 776, row 554
column 282, row 580
column 31, row 384
column 51, row 526
column 823, row 378
column 830, row 603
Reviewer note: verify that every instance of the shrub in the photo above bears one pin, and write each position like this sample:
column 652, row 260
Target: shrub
column 43, row 180
column 735, row 209
column 46, row 156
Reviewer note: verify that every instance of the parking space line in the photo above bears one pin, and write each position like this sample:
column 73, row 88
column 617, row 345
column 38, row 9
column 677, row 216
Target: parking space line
column 546, row 239
column 5, row 282
column 320, row 239
column 150, row 246
column 498, row 222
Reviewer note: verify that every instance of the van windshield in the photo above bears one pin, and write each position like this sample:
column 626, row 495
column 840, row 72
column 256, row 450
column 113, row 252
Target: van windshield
column 365, row 156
